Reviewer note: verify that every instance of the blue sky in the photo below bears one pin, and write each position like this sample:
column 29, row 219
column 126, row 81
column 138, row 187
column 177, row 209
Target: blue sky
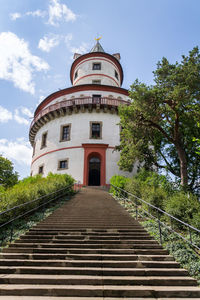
column 38, row 39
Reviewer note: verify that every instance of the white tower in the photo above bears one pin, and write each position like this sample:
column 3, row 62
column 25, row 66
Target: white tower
column 75, row 130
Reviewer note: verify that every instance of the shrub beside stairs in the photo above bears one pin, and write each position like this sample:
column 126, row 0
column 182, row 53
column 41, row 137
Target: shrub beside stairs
column 91, row 248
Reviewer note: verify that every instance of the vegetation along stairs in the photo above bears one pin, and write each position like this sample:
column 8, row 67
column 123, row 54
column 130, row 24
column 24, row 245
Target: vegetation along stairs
column 91, row 248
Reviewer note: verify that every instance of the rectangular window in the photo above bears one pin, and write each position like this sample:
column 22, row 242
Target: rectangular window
column 96, row 81
column 41, row 170
column 96, row 66
column 34, row 145
column 96, row 130
column 44, row 140
column 116, row 75
column 63, row 164
column 76, row 75
column 96, row 99
column 65, row 132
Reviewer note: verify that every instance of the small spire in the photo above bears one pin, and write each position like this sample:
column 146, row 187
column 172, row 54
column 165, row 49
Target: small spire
column 97, row 47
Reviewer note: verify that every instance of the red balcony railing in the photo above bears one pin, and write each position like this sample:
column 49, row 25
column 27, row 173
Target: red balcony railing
column 79, row 102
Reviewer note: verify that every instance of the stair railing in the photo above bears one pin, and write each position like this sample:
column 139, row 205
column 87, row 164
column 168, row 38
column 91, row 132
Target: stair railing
column 37, row 203
column 127, row 197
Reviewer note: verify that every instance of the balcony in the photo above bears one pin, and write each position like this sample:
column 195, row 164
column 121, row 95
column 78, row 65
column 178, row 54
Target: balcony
column 68, row 106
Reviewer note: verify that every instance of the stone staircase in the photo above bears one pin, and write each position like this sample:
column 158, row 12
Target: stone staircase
column 91, row 248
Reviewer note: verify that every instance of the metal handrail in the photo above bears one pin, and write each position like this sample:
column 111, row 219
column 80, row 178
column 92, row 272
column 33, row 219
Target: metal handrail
column 159, row 210
column 54, row 196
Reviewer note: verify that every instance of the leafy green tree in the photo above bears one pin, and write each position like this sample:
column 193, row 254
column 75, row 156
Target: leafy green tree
column 159, row 125
column 8, row 177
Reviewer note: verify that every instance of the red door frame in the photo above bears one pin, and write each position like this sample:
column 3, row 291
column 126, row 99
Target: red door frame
column 98, row 150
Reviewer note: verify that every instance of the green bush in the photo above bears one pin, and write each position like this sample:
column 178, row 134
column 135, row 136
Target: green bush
column 32, row 188
column 183, row 206
column 155, row 196
column 120, row 182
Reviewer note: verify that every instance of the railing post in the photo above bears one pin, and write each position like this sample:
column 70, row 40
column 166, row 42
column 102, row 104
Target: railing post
column 136, row 210
column 190, row 234
column 159, row 226
column 11, row 232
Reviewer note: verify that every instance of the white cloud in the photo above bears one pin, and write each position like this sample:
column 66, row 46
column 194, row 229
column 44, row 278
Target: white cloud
column 5, row 115
column 18, row 150
column 19, row 119
column 58, row 11
column 83, row 48
column 15, row 16
column 25, row 111
column 17, row 63
column 36, row 13
column 48, row 42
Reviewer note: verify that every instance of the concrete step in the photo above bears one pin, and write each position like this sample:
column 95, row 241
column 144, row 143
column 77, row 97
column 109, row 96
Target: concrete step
column 100, row 291
column 97, row 280
column 84, row 250
column 92, row 271
column 102, row 257
column 90, row 263
column 86, row 240
column 87, row 245
column 91, row 249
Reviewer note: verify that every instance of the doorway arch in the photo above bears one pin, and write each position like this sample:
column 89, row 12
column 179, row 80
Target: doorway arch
column 94, row 174
column 95, row 151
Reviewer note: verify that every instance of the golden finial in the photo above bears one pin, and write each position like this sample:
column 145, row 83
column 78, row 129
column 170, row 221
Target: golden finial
column 97, row 39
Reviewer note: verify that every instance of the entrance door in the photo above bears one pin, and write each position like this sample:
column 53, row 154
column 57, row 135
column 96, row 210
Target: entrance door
column 94, row 171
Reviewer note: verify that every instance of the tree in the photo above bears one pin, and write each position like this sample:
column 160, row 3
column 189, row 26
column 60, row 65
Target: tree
column 159, row 125
column 7, row 175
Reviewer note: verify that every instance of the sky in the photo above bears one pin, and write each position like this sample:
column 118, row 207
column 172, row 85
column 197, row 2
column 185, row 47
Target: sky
column 38, row 40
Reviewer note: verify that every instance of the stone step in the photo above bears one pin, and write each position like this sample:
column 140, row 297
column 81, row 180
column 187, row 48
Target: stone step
column 100, row 291
column 87, row 245
column 91, row 249
column 90, row 263
column 97, row 280
column 85, row 250
column 86, row 240
column 121, row 257
column 88, row 231
column 93, row 271
column 84, row 298
column 91, row 237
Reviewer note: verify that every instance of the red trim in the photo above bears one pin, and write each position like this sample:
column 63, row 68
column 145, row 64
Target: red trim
column 94, row 149
column 96, row 75
column 78, row 88
column 65, row 148
column 96, row 59
column 96, row 54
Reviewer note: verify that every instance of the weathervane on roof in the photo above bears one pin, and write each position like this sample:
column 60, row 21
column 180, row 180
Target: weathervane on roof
column 97, row 39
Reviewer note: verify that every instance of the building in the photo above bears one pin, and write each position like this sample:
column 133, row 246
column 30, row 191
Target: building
column 75, row 130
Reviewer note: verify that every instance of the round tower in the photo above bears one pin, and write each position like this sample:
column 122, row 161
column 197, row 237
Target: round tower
column 75, row 130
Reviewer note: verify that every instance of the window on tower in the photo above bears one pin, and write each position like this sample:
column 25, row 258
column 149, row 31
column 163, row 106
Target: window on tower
column 63, row 164
column 96, row 130
column 116, row 75
column 44, row 140
column 65, row 132
column 96, row 66
column 76, row 75
column 41, row 169
column 96, row 81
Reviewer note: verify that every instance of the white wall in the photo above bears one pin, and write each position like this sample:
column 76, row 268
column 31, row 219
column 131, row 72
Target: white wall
column 86, row 68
